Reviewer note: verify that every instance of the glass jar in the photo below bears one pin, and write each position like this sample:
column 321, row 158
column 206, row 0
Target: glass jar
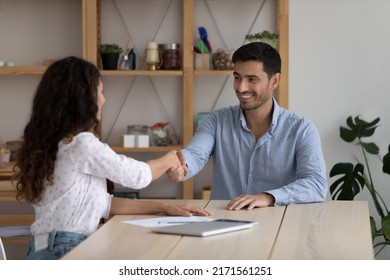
column 222, row 59
column 171, row 56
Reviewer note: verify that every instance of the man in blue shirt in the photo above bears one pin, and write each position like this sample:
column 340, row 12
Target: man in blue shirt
column 262, row 154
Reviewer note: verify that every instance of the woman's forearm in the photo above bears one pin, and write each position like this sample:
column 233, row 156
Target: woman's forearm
column 160, row 165
column 125, row 206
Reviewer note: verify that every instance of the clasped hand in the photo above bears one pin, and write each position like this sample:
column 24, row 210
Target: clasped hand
column 177, row 173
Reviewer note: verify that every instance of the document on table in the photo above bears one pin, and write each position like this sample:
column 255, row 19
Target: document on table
column 167, row 221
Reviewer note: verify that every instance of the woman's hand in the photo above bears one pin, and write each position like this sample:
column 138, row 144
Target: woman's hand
column 125, row 206
column 184, row 210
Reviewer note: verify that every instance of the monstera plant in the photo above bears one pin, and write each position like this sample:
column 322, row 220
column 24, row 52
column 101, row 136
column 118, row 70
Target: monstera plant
column 354, row 177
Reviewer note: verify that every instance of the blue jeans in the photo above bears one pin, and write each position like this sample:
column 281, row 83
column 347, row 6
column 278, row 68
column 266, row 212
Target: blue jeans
column 55, row 245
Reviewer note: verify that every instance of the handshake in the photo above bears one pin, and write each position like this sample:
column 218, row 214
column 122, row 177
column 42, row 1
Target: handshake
column 177, row 167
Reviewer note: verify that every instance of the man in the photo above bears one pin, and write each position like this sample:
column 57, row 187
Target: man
column 263, row 155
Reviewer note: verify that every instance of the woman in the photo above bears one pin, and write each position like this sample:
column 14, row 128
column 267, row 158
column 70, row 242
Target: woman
column 63, row 166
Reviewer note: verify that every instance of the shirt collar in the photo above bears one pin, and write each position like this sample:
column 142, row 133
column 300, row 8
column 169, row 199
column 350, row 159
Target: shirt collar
column 275, row 116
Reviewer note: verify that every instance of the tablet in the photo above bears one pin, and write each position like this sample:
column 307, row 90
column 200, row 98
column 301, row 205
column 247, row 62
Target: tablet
column 207, row 228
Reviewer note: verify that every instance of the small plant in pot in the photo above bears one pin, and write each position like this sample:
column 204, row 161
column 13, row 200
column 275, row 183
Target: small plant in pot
column 110, row 56
column 265, row 36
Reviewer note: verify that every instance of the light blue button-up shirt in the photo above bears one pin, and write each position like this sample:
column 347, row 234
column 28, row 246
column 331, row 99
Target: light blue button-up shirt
column 286, row 162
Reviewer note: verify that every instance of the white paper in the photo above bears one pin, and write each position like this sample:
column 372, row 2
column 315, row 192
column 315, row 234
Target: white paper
column 167, row 221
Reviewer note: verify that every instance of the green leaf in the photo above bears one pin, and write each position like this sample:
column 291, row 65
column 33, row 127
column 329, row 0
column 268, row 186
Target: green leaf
column 358, row 128
column 347, row 135
column 262, row 35
column 351, row 182
column 363, row 123
column 371, row 148
column 366, row 129
column 386, row 162
column 386, row 226
column 374, row 231
column 110, row 48
column 350, row 123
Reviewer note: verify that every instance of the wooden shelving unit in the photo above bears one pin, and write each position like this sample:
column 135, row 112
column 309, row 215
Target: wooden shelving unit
column 152, row 149
column 90, row 40
column 22, row 70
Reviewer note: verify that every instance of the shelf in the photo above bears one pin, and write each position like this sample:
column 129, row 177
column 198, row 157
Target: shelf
column 22, row 70
column 164, row 72
column 141, row 73
column 152, row 149
column 213, row 72
column 39, row 70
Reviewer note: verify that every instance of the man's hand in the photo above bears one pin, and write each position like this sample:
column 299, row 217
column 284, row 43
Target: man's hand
column 251, row 201
column 177, row 174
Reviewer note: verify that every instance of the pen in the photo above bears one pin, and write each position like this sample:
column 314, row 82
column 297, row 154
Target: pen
column 175, row 222
column 180, row 222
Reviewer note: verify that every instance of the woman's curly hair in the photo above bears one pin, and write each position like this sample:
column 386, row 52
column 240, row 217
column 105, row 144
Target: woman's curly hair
column 64, row 105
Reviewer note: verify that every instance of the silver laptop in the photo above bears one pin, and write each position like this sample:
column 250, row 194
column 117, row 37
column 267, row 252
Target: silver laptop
column 206, row 228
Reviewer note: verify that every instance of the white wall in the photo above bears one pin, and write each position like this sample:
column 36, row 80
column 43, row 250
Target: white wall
column 339, row 66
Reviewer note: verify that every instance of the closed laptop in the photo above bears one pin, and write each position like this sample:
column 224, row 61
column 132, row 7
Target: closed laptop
column 206, row 228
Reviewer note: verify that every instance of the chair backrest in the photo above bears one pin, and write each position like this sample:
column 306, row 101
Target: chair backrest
column 2, row 251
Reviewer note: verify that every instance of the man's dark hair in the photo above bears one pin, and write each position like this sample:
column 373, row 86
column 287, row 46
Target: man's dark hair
column 261, row 52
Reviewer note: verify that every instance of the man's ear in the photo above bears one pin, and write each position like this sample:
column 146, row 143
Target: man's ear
column 275, row 81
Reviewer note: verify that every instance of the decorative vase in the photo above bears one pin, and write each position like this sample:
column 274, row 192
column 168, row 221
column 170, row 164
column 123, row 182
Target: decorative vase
column 110, row 61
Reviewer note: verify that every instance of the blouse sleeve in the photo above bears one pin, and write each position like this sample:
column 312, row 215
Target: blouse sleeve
column 93, row 157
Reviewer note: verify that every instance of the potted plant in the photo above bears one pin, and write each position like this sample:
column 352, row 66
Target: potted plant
column 110, row 56
column 265, row 36
column 355, row 177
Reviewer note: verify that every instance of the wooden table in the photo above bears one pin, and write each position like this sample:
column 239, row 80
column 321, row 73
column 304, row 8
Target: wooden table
column 329, row 230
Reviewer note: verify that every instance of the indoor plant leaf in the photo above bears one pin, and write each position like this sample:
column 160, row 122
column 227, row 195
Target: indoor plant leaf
column 363, row 123
column 366, row 129
column 347, row 135
column 371, row 148
column 386, row 226
column 350, row 123
column 350, row 184
column 358, row 128
column 386, row 162
column 350, row 134
column 374, row 231
column 110, row 48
